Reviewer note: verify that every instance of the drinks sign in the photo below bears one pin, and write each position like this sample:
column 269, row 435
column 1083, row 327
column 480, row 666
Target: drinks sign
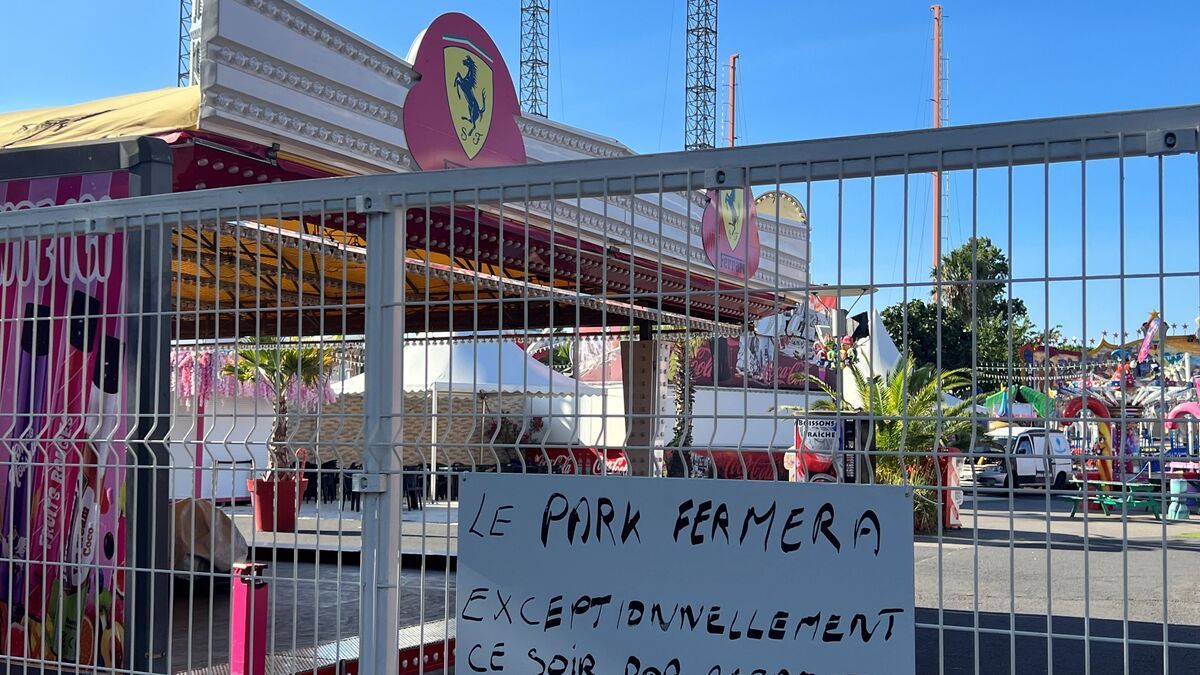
column 462, row 112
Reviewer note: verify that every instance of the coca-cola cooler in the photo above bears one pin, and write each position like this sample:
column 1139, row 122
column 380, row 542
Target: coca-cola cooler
column 828, row 448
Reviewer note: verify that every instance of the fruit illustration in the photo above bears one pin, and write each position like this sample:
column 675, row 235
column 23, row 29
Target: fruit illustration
column 16, row 640
column 112, row 644
column 53, row 619
column 87, row 642
column 35, row 640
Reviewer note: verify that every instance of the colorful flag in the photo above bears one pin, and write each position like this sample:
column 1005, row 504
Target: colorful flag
column 1151, row 332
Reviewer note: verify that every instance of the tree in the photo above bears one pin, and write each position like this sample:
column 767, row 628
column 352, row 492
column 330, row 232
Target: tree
column 916, row 323
column 970, row 309
column 909, row 414
column 283, row 370
column 682, row 374
column 558, row 355
column 559, row 358
column 980, row 266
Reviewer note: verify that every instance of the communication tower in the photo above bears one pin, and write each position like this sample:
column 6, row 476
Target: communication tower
column 535, row 57
column 184, row 64
column 700, row 112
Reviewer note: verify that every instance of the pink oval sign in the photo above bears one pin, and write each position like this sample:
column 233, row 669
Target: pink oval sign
column 730, row 232
column 462, row 112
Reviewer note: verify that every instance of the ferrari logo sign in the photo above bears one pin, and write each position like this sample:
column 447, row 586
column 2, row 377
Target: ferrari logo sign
column 730, row 232
column 733, row 211
column 468, row 89
column 463, row 110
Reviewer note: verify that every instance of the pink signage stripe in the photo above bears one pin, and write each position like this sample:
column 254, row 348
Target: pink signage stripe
column 98, row 186
column 16, row 195
column 68, row 189
column 43, row 192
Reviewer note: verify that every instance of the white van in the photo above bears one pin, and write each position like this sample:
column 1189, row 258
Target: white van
column 1016, row 456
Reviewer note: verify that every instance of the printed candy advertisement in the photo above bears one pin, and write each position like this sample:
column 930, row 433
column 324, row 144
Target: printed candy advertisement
column 64, row 417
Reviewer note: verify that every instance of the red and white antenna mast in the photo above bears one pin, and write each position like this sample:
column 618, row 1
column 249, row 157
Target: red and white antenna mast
column 733, row 59
column 937, row 123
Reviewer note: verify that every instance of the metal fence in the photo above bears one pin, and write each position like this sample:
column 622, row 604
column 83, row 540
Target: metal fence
column 357, row 345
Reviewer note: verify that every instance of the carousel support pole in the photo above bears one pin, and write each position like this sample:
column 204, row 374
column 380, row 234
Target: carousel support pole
column 1189, row 431
column 639, row 378
column 197, row 470
column 433, row 446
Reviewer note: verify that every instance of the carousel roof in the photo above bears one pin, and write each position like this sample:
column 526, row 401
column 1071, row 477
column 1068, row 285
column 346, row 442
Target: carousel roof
column 312, row 279
column 146, row 113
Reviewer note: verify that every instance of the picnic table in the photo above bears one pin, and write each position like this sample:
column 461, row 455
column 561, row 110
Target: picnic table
column 1115, row 494
column 1185, row 470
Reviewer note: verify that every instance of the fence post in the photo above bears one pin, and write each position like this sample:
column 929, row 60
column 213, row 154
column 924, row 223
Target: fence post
column 382, row 487
column 248, row 623
column 149, row 524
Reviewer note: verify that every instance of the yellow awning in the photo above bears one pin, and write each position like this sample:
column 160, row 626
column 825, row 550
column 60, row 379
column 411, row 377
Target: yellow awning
column 145, row 113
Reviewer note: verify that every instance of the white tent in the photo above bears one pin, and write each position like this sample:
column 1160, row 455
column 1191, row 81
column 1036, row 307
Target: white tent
column 877, row 355
column 476, row 367
column 494, row 367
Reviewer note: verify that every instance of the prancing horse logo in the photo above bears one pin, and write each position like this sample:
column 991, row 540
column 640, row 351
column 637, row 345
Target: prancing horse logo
column 733, row 209
column 729, row 230
column 468, row 88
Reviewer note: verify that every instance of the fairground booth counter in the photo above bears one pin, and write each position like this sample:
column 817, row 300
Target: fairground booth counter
column 283, row 94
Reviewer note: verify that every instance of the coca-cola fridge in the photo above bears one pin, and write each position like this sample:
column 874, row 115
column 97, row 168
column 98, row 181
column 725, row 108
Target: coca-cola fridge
column 828, row 448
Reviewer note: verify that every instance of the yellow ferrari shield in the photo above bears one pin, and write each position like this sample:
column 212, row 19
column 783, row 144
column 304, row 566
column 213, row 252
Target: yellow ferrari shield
column 469, row 90
column 733, row 214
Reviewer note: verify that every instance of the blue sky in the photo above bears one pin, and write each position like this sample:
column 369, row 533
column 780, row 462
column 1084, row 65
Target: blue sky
column 808, row 70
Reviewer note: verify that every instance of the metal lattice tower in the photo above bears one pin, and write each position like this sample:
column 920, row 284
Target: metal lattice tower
column 535, row 57
column 700, row 114
column 184, row 64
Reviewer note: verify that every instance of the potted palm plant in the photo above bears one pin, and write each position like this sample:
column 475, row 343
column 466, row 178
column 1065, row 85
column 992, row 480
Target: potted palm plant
column 912, row 423
column 284, row 371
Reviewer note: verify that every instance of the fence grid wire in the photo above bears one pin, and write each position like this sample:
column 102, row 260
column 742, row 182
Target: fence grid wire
column 233, row 405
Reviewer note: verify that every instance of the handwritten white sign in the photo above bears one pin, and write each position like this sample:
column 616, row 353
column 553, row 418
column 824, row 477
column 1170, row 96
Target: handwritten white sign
column 579, row 575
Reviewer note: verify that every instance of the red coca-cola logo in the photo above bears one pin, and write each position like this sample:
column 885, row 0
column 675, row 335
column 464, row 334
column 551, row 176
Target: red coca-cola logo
column 702, row 364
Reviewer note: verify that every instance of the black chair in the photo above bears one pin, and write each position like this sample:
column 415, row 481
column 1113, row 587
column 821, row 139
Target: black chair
column 310, row 489
column 414, row 487
column 349, row 495
column 456, row 470
column 329, row 481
